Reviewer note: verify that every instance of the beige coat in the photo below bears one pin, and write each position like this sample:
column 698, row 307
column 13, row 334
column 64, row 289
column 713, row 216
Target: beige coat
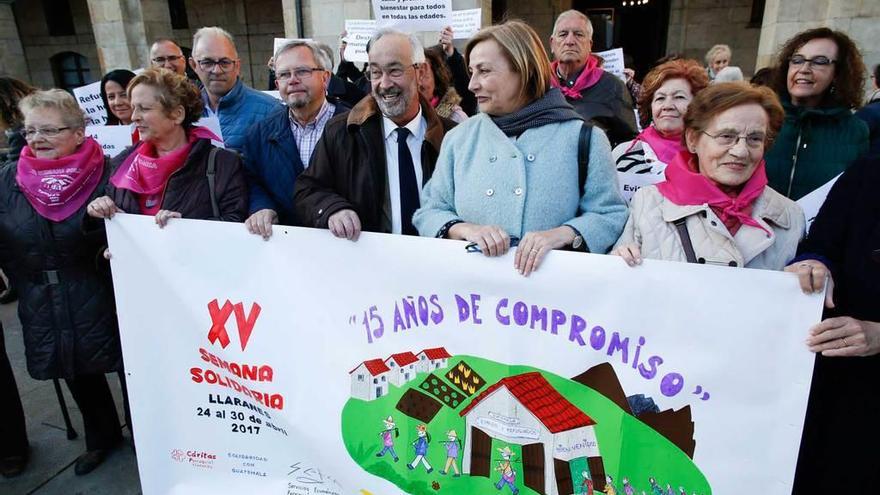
column 651, row 227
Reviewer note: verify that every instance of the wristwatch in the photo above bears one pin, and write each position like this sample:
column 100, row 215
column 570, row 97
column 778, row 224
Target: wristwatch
column 577, row 242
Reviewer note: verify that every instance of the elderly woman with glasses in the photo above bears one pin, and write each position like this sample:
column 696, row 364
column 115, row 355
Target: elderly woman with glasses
column 174, row 171
column 66, row 304
column 819, row 81
column 715, row 206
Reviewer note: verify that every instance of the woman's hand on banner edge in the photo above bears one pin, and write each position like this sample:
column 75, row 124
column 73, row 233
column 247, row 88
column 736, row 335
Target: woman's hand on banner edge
column 163, row 216
column 811, row 276
column 845, row 336
column 630, row 253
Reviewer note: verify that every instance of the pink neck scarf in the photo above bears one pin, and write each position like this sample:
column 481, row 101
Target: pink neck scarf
column 665, row 147
column 686, row 186
column 59, row 188
column 589, row 76
column 145, row 172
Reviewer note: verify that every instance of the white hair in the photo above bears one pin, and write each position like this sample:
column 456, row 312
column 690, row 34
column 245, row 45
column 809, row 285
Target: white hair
column 418, row 49
column 578, row 14
column 319, row 55
column 211, row 32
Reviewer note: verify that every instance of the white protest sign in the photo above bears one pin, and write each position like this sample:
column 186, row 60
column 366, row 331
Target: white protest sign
column 466, row 23
column 274, row 94
column 89, row 99
column 112, row 138
column 811, row 203
column 213, row 124
column 413, row 15
column 358, row 33
column 613, row 62
column 273, row 373
column 279, row 42
column 629, row 183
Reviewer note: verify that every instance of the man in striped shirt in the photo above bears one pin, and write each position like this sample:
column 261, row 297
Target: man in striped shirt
column 279, row 148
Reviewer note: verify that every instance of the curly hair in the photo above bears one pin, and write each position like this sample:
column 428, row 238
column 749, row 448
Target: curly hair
column 58, row 100
column 11, row 92
column 173, row 90
column 720, row 97
column 442, row 76
column 689, row 70
column 121, row 77
column 849, row 69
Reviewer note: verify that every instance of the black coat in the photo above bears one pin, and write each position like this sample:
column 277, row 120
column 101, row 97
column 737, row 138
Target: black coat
column 841, row 434
column 608, row 105
column 65, row 303
column 348, row 167
column 187, row 190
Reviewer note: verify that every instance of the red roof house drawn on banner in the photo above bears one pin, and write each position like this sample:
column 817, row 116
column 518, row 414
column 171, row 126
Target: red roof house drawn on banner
column 433, row 359
column 403, row 367
column 526, row 410
column 369, row 380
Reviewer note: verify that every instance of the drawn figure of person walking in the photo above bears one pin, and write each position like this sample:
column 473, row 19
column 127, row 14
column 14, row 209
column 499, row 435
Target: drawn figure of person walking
column 655, row 488
column 421, row 447
column 508, row 475
column 586, row 483
column 609, row 485
column 388, row 435
column 627, row 488
column 453, row 446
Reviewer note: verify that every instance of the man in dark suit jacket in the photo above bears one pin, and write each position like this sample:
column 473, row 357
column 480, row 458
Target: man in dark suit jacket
column 370, row 165
column 279, row 148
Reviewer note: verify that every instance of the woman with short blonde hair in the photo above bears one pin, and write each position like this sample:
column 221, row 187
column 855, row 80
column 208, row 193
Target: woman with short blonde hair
column 515, row 172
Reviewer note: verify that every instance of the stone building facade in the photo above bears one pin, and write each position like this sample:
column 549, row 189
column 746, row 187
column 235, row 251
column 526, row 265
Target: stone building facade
column 67, row 42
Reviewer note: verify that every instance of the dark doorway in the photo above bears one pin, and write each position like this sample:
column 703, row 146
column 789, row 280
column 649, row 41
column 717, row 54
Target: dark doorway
column 481, row 447
column 597, row 469
column 563, row 476
column 533, row 466
column 639, row 29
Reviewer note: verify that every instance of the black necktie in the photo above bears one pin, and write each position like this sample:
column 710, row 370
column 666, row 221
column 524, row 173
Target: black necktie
column 409, row 187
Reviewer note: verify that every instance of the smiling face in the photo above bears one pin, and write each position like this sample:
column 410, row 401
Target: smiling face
column 572, row 41
column 153, row 122
column 298, row 93
column 493, row 80
column 117, row 100
column 669, row 104
column 217, row 81
column 396, row 90
column 720, row 61
column 730, row 167
column 51, row 147
column 807, row 83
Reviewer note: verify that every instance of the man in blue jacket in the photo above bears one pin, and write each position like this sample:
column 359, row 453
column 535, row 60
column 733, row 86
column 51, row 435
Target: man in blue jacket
column 278, row 149
column 215, row 60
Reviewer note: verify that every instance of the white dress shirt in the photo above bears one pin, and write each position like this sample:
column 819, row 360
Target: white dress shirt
column 417, row 127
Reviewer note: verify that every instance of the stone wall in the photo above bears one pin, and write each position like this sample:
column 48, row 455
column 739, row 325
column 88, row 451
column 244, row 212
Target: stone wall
column 697, row 25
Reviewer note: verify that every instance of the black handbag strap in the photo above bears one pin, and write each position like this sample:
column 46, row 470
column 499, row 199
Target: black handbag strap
column 685, row 240
column 584, row 140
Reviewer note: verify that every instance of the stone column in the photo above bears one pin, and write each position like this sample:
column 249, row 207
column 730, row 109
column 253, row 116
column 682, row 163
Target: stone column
column 12, row 59
column 124, row 30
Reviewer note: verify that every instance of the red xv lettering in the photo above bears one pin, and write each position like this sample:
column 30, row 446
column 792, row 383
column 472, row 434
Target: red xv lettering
column 220, row 315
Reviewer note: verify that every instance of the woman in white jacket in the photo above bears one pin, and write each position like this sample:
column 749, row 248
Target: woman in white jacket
column 715, row 206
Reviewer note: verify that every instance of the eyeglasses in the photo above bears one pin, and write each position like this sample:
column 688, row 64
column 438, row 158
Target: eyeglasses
column 301, row 73
column 375, row 73
column 820, row 62
column 169, row 58
column 729, row 139
column 48, row 132
column 207, row 64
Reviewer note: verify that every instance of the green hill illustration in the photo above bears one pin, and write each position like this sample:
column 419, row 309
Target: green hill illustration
column 435, row 423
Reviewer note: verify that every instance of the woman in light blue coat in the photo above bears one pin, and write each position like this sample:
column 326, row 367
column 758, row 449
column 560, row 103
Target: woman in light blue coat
column 510, row 174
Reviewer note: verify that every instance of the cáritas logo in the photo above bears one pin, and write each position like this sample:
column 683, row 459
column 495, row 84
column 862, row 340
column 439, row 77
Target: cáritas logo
column 220, row 315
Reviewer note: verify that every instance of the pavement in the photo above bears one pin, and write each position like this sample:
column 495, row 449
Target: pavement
column 50, row 470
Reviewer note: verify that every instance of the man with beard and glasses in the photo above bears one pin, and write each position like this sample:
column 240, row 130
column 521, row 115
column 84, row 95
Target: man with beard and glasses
column 215, row 60
column 370, row 165
column 279, row 148
column 598, row 96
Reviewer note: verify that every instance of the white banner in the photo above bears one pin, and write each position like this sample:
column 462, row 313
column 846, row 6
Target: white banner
column 89, row 99
column 466, row 23
column 112, row 138
column 413, row 15
column 628, row 182
column 811, row 203
column 613, row 62
column 309, row 364
column 357, row 33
